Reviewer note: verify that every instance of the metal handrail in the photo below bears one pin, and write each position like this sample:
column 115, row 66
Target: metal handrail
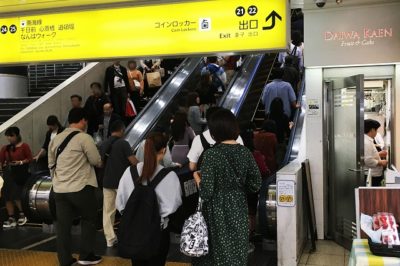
column 266, row 81
column 152, row 112
column 245, row 75
column 294, row 137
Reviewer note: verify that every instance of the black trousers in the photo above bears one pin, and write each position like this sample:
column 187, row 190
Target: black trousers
column 375, row 180
column 161, row 257
column 119, row 97
column 68, row 206
column 135, row 97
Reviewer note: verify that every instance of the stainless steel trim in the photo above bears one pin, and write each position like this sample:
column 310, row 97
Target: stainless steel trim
column 143, row 123
column 236, row 94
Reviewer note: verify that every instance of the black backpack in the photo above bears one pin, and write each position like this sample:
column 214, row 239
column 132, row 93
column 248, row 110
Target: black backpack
column 216, row 81
column 295, row 58
column 139, row 232
column 206, row 146
column 100, row 171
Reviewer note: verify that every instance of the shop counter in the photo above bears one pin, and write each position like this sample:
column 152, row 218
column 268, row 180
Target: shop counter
column 361, row 256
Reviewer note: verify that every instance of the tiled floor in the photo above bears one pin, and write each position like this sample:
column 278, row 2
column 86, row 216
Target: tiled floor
column 328, row 253
column 33, row 258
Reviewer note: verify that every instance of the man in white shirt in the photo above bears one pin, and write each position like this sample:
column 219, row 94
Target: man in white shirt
column 197, row 146
column 372, row 158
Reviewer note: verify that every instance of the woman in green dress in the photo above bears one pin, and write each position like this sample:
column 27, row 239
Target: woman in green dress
column 227, row 173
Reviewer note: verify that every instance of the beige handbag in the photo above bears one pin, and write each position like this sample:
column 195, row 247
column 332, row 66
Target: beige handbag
column 161, row 71
column 154, row 79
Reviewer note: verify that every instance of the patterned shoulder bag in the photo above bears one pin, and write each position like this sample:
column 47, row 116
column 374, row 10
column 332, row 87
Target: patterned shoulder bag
column 194, row 236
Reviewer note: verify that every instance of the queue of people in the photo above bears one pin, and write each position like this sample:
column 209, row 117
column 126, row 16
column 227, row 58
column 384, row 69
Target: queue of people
column 73, row 157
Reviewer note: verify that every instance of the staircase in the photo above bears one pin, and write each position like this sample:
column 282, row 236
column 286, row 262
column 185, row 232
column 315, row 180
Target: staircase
column 42, row 79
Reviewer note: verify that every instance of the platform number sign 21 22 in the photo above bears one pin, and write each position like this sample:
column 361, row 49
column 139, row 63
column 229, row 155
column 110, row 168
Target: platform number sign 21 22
column 241, row 11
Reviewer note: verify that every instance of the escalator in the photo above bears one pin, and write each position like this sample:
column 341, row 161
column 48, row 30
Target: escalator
column 38, row 198
column 241, row 97
column 166, row 101
column 160, row 113
column 244, row 100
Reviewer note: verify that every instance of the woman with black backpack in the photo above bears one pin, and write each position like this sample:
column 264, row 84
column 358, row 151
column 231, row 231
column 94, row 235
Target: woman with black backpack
column 147, row 195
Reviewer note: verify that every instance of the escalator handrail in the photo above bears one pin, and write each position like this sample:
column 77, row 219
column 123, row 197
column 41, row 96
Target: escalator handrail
column 265, row 84
column 245, row 64
column 139, row 127
column 246, row 88
column 298, row 124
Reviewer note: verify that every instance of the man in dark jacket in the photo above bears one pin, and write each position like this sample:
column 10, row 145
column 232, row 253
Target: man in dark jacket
column 107, row 119
column 94, row 107
column 117, row 84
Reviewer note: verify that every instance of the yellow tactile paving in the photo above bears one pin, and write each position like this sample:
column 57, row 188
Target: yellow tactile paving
column 38, row 258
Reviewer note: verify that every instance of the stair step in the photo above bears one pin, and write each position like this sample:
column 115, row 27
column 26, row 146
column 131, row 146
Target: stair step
column 9, row 112
column 40, row 94
column 4, row 118
column 51, row 74
column 19, row 100
column 14, row 105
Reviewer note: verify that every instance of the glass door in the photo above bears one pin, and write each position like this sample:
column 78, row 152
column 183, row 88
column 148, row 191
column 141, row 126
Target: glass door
column 346, row 151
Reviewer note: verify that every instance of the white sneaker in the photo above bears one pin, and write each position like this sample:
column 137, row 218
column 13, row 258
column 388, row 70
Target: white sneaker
column 10, row 223
column 22, row 219
column 90, row 260
column 112, row 243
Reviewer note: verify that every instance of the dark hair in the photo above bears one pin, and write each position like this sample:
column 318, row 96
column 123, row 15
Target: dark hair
column 212, row 59
column 247, row 134
column 178, row 126
column 370, row 124
column 76, row 115
column 97, row 84
column 155, row 142
column 210, row 111
column 76, row 96
column 270, row 126
column 13, row 131
column 296, row 38
column 132, row 62
column 276, row 108
column 117, row 126
column 52, row 120
column 191, row 99
column 288, row 60
column 223, row 126
column 277, row 73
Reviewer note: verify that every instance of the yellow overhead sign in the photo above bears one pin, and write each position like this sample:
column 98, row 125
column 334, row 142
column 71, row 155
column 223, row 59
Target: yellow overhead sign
column 8, row 6
column 202, row 27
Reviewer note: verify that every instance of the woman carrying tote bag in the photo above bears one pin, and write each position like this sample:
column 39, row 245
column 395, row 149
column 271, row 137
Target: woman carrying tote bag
column 227, row 174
